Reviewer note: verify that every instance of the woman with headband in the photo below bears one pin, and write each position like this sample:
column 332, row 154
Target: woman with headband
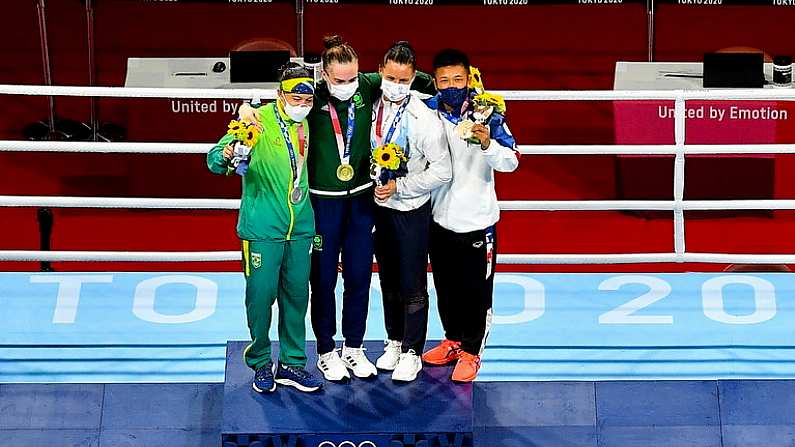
column 276, row 225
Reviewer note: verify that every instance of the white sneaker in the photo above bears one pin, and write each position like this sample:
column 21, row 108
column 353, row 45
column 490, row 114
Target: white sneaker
column 408, row 367
column 355, row 360
column 332, row 367
column 389, row 359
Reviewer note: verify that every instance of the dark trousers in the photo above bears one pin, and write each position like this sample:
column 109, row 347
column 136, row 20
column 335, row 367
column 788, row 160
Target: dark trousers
column 401, row 249
column 343, row 225
column 463, row 272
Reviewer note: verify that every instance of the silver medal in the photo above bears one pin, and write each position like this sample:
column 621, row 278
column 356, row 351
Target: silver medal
column 296, row 195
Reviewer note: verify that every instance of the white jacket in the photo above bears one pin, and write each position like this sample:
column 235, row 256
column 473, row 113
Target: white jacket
column 469, row 202
column 429, row 165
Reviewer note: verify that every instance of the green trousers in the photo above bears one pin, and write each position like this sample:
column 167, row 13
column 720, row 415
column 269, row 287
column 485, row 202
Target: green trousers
column 277, row 271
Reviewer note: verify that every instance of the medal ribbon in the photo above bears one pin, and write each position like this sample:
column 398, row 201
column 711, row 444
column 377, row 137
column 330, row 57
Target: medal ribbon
column 343, row 147
column 390, row 133
column 296, row 165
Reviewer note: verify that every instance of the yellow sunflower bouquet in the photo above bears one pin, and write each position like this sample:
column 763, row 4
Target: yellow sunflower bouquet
column 388, row 163
column 245, row 132
column 484, row 102
column 245, row 136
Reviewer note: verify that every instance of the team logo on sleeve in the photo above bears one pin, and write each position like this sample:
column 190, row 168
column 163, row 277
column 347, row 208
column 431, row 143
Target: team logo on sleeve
column 358, row 100
column 317, row 243
column 256, row 260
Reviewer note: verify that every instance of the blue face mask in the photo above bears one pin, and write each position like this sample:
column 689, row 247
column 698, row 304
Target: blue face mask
column 454, row 97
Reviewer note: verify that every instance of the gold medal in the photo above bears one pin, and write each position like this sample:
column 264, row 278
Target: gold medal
column 345, row 172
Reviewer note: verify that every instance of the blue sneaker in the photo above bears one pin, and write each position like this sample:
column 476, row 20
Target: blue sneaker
column 263, row 379
column 298, row 378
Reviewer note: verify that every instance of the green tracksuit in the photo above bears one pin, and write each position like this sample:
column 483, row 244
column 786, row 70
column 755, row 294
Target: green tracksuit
column 277, row 238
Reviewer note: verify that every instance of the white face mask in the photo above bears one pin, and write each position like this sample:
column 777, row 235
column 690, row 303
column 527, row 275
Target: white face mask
column 343, row 92
column 296, row 113
column 393, row 91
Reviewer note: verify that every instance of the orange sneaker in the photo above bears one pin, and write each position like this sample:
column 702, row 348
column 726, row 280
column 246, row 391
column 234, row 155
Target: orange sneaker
column 446, row 352
column 467, row 367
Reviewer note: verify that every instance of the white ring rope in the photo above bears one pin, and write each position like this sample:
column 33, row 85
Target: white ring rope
column 646, row 258
column 217, row 256
column 639, row 205
column 118, row 202
column 104, row 147
column 119, row 256
column 505, row 205
column 678, row 205
column 137, row 92
column 651, row 95
column 513, row 95
column 541, row 149
column 650, row 149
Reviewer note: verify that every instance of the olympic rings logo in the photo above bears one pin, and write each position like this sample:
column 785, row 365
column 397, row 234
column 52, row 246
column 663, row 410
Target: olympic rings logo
column 347, row 444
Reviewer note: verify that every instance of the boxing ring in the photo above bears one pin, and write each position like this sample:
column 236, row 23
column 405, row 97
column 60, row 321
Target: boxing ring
column 526, row 298
column 589, row 331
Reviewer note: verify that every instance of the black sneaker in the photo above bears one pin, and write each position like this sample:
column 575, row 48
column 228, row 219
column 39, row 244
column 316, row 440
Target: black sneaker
column 263, row 379
column 297, row 377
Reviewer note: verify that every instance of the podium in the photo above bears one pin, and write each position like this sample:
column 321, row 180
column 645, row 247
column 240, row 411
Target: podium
column 432, row 411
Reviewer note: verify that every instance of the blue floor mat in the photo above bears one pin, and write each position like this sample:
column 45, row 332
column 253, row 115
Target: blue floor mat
column 167, row 327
